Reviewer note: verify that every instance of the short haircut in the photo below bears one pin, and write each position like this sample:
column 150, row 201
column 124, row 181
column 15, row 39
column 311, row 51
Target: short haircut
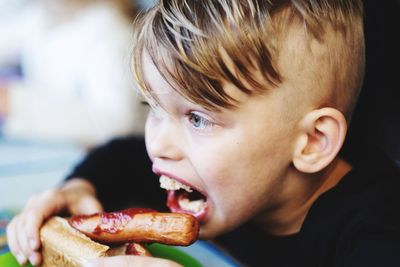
column 189, row 40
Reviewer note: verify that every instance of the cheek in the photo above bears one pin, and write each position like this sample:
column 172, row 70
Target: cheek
column 212, row 165
column 149, row 133
column 236, row 192
column 147, row 129
column 149, row 125
column 238, row 173
column 223, row 172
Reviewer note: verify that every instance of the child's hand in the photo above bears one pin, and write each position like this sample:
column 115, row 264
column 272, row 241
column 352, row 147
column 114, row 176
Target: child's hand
column 124, row 261
column 77, row 196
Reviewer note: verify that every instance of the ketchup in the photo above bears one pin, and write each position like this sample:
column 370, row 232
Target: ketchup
column 131, row 250
column 110, row 222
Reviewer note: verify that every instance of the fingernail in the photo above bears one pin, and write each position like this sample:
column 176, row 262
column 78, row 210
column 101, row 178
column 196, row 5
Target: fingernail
column 34, row 259
column 32, row 244
column 21, row 259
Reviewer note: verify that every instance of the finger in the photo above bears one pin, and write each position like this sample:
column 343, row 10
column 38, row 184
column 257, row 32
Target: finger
column 30, row 203
column 12, row 241
column 125, row 261
column 32, row 228
column 32, row 232
column 35, row 258
column 37, row 212
column 22, row 237
column 52, row 201
column 47, row 203
column 25, row 241
column 87, row 205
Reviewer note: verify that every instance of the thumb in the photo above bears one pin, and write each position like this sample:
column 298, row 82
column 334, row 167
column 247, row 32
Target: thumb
column 86, row 205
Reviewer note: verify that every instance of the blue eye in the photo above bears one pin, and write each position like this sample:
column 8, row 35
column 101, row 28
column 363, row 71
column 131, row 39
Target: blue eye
column 199, row 122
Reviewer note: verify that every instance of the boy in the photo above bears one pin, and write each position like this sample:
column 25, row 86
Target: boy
column 250, row 105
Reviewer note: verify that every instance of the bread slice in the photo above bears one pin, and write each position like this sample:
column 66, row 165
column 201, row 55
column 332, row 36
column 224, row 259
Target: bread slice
column 63, row 245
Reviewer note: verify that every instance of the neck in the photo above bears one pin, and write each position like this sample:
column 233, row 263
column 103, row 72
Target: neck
column 288, row 216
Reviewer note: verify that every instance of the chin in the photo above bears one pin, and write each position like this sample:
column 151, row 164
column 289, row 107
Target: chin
column 214, row 228
column 207, row 232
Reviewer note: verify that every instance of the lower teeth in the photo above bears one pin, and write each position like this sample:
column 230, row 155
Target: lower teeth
column 193, row 206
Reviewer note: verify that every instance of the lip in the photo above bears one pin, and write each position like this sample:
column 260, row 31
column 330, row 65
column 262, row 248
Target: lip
column 172, row 200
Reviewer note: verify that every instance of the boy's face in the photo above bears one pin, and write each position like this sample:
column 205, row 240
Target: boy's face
column 238, row 159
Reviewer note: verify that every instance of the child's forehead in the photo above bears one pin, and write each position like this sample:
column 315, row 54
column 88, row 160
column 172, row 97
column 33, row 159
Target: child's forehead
column 198, row 64
column 160, row 85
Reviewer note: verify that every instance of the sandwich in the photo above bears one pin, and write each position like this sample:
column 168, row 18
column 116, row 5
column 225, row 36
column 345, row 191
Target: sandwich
column 71, row 241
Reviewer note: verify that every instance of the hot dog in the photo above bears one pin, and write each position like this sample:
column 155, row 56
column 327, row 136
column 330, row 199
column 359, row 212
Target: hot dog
column 63, row 245
column 136, row 250
column 71, row 242
column 138, row 225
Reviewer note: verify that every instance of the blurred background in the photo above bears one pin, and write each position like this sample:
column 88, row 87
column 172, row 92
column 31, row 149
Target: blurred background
column 64, row 70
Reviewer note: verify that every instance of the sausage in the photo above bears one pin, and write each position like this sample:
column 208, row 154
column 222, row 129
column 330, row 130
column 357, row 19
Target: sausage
column 139, row 226
column 137, row 250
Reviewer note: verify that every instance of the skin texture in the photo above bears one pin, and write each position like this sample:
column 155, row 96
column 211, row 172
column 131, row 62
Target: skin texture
column 233, row 155
column 267, row 160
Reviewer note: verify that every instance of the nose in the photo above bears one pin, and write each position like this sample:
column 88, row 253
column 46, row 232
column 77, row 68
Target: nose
column 163, row 138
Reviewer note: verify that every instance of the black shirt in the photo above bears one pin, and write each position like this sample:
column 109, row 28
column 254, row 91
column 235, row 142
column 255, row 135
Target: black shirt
column 356, row 223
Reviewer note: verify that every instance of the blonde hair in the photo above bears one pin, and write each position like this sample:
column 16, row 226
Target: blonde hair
column 189, row 42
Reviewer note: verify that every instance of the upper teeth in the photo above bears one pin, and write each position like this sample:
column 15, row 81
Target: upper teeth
column 171, row 184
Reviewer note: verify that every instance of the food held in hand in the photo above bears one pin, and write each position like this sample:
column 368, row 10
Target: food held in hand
column 136, row 250
column 63, row 245
column 138, row 225
column 70, row 242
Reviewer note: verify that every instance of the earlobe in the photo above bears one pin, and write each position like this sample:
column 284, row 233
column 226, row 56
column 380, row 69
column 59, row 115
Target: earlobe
column 321, row 137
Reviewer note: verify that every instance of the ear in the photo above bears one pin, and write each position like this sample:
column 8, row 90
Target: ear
column 322, row 134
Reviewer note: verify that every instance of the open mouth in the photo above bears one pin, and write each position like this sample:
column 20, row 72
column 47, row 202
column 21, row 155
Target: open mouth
column 184, row 199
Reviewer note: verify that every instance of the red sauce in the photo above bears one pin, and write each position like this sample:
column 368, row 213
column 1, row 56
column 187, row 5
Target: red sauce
column 113, row 222
column 110, row 222
column 131, row 250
